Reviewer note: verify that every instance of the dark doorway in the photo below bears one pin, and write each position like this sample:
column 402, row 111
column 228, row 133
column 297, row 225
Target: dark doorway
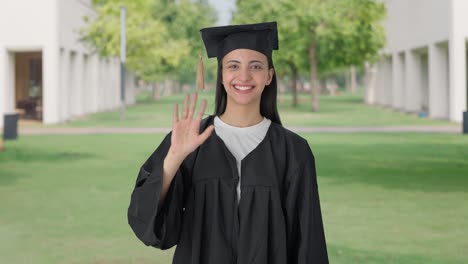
column 28, row 85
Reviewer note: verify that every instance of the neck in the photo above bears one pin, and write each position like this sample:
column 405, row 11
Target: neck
column 241, row 116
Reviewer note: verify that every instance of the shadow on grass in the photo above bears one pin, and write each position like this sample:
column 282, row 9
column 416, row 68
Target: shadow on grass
column 412, row 167
column 9, row 175
column 16, row 157
column 341, row 254
column 20, row 154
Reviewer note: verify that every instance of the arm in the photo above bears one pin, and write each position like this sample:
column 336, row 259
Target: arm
column 157, row 201
column 185, row 139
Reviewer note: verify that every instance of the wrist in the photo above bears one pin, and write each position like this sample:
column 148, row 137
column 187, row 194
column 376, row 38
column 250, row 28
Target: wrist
column 176, row 156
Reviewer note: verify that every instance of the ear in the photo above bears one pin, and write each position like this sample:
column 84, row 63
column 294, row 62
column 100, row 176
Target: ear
column 271, row 73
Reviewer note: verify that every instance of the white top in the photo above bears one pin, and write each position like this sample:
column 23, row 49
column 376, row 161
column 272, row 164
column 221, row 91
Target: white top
column 241, row 140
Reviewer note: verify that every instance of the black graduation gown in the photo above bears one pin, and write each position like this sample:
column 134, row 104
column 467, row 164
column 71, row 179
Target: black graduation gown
column 278, row 219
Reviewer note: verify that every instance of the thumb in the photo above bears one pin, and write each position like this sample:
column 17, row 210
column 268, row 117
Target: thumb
column 204, row 136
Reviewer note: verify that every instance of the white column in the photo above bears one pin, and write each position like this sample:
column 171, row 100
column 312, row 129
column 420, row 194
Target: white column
column 380, row 82
column 112, row 83
column 10, row 104
column 50, row 73
column 457, row 55
column 370, row 82
column 398, row 81
column 94, row 82
column 388, row 82
column 129, row 88
column 7, row 83
column 78, row 85
column 457, row 74
column 72, row 87
column 116, row 86
column 86, row 96
column 413, row 88
column 102, row 87
column 438, row 82
column 51, row 99
column 108, row 79
column 64, row 83
column 424, row 81
column 3, row 82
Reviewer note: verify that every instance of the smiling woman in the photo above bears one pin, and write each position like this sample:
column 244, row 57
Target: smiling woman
column 245, row 74
column 236, row 187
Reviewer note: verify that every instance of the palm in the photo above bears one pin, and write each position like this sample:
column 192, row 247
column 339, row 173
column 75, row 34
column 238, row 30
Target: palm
column 185, row 130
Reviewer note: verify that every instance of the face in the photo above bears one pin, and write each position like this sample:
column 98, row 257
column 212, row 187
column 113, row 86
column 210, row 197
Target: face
column 244, row 74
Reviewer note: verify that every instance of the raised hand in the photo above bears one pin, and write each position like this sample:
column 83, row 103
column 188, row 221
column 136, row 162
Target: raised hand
column 186, row 135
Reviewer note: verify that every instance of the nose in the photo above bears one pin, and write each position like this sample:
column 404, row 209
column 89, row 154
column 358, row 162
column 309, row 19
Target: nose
column 244, row 74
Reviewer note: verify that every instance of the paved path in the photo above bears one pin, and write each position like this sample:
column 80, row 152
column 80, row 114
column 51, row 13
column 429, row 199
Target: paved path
column 363, row 129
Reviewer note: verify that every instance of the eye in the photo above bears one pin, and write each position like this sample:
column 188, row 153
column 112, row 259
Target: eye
column 232, row 66
column 257, row 66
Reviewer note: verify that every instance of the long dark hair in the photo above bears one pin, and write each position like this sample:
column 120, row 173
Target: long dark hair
column 268, row 107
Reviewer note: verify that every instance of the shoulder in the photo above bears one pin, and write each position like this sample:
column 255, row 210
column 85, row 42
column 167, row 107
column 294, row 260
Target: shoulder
column 295, row 146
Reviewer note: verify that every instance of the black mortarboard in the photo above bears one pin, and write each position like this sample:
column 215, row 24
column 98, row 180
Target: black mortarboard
column 261, row 37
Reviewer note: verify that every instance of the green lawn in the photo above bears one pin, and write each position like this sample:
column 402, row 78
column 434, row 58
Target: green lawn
column 386, row 198
column 343, row 110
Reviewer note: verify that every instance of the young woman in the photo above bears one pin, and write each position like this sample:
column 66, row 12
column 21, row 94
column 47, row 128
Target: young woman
column 236, row 187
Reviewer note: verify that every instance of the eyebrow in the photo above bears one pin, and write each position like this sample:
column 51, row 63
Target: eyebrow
column 250, row 62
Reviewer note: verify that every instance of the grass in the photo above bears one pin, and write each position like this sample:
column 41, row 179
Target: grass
column 386, row 198
column 343, row 110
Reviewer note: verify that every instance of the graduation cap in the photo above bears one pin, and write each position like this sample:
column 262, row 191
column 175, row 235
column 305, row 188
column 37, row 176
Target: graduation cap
column 219, row 41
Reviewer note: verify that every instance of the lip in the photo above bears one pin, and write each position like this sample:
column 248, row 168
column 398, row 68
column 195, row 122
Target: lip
column 243, row 87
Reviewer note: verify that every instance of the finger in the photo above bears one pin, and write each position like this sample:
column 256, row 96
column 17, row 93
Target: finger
column 206, row 134
column 201, row 112
column 193, row 104
column 185, row 108
column 175, row 116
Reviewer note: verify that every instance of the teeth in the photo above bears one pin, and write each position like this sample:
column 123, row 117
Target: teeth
column 243, row 88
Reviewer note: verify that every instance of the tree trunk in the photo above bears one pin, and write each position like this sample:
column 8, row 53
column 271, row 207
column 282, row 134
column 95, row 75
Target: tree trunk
column 314, row 89
column 294, row 83
column 353, row 79
column 156, row 91
column 348, row 81
column 168, row 87
column 323, row 86
column 177, row 86
column 281, row 89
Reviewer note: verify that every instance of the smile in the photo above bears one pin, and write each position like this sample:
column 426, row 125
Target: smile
column 243, row 87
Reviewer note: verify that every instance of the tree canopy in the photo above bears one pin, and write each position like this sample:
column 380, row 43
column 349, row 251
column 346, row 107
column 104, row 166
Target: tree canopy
column 162, row 35
column 320, row 36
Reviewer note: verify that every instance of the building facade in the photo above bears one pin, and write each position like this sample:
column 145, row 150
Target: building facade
column 46, row 73
column 423, row 68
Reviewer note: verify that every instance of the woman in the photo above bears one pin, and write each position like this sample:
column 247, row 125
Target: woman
column 236, row 187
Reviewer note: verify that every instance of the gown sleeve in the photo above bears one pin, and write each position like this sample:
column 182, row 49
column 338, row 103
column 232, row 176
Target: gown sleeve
column 153, row 223
column 306, row 237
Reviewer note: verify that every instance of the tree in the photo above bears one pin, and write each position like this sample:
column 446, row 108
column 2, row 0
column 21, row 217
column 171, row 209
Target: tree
column 328, row 34
column 161, row 35
column 340, row 33
column 184, row 20
column 289, row 59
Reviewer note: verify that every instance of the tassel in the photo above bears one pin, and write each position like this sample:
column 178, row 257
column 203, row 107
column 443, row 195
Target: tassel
column 200, row 74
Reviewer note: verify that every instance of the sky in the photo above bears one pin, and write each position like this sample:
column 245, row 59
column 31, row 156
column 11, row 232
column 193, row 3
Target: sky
column 224, row 8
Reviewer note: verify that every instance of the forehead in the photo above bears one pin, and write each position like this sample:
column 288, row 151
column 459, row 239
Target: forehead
column 245, row 55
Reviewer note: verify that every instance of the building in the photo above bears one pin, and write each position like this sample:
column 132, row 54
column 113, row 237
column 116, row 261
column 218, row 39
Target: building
column 46, row 73
column 423, row 68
